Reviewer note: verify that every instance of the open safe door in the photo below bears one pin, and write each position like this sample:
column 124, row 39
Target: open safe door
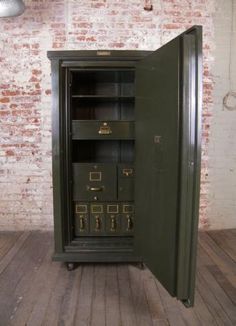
column 168, row 123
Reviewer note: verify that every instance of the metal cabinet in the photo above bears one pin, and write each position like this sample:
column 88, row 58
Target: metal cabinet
column 126, row 158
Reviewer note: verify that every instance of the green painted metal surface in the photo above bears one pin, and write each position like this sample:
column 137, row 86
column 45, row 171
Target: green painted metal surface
column 167, row 158
column 168, row 96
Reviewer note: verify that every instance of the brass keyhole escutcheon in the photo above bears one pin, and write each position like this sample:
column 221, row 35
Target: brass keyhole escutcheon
column 113, row 223
column 129, row 223
column 81, row 223
column 97, row 223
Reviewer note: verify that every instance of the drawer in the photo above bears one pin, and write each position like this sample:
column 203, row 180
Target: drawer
column 81, row 213
column 102, row 129
column 125, row 182
column 97, row 219
column 94, row 182
column 127, row 218
column 113, row 226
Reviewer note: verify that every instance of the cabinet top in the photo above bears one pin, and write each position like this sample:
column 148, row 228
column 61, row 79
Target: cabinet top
column 98, row 54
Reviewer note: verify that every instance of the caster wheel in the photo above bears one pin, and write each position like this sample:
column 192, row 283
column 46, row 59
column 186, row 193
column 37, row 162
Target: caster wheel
column 70, row 266
column 141, row 266
column 187, row 303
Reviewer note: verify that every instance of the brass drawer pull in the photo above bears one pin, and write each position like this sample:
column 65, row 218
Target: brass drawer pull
column 81, row 223
column 113, row 224
column 129, row 223
column 104, row 129
column 96, row 188
column 97, row 223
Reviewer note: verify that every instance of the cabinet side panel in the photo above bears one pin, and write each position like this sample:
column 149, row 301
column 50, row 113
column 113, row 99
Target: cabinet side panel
column 56, row 157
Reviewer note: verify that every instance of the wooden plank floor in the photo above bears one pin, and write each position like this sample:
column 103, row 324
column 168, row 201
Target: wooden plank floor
column 36, row 291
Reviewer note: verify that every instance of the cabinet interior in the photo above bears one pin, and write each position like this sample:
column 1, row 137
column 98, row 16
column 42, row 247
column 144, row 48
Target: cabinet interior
column 105, row 97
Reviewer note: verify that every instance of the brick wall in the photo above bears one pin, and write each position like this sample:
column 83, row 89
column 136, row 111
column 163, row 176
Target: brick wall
column 221, row 197
column 25, row 94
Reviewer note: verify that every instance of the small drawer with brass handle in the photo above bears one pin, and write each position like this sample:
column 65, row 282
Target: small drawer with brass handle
column 97, row 224
column 127, row 218
column 90, row 129
column 94, row 182
column 81, row 215
column 97, row 218
column 113, row 224
column 125, row 182
column 81, row 224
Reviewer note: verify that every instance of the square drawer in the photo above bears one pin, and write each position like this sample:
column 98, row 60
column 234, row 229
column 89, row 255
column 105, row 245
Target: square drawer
column 94, row 182
column 88, row 129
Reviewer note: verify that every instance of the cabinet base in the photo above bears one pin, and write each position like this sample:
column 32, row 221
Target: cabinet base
column 68, row 257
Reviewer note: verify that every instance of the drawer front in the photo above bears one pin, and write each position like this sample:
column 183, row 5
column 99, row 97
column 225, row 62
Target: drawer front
column 102, row 129
column 113, row 225
column 125, row 182
column 94, row 182
column 81, row 219
column 127, row 218
column 97, row 219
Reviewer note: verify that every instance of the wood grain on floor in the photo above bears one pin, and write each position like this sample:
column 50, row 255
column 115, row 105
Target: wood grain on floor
column 36, row 291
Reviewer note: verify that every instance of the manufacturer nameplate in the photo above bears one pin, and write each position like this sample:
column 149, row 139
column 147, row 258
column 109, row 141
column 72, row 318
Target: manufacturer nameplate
column 104, row 53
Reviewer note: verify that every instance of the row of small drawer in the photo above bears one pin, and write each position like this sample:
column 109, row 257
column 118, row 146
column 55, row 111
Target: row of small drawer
column 103, row 219
column 103, row 182
column 87, row 129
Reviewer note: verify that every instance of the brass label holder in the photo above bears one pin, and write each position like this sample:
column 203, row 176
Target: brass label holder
column 81, row 208
column 95, row 176
column 128, row 208
column 127, row 172
column 113, row 209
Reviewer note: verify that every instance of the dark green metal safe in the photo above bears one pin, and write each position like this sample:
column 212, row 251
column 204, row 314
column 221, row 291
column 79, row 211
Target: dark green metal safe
column 126, row 158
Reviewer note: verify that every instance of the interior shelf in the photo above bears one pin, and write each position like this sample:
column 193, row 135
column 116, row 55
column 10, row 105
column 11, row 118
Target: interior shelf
column 102, row 110
column 102, row 84
column 103, row 151
column 104, row 97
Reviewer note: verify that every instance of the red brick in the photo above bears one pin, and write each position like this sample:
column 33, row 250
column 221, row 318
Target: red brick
column 10, row 93
column 25, row 74
column 10, row 152
column 4, row 99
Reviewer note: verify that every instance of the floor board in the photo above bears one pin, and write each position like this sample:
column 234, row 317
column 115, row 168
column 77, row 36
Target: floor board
column 36, row 291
